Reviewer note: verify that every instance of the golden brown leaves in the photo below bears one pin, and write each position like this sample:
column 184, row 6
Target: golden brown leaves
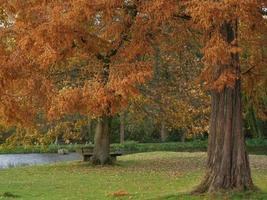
column 95, row 99
column 224, row 45
column 68, row 101
column 119, row 193
column 217, row 51
column 48, row 35
column 28, row 136
column 159, row 11
column 226, row 79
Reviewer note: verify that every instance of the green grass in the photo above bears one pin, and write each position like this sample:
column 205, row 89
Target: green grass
column 152, row 176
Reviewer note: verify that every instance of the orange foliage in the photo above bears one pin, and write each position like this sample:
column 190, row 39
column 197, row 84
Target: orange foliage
column 115, row 39
column 49, row 34
column 250, row 26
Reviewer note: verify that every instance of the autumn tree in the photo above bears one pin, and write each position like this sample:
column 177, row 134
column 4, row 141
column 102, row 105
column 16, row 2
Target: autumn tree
column 226, row 25
column 102, row 34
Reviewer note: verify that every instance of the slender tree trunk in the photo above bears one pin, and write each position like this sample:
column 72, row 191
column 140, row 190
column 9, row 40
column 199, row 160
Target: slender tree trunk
column 228, row 165
column 183, row 137
column 163, row 132
column 122, row 127
column 252, row 122
column 89, row 131
column 56, row 141
column 101, row 150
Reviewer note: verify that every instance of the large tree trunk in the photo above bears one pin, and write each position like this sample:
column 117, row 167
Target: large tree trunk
column 101, row 149
column 122, row 127
column 228, row 165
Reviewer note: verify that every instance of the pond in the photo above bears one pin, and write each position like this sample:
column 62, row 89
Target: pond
column 17, row 160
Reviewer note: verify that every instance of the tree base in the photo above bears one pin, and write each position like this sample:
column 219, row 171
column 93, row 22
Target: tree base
column 98, row 161
column 208, row 185
column 101, row 154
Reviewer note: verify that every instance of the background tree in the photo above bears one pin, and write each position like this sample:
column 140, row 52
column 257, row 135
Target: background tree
column 122, row 127
column 172, row 98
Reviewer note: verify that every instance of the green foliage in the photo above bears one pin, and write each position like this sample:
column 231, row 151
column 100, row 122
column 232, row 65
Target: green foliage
column 4, row 149
column 170, row 146
column 127, row 146
column 255, row 146
column 258, row 142
column 255, row 118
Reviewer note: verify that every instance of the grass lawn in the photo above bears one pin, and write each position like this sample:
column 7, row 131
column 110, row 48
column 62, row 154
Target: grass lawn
column 155, row 176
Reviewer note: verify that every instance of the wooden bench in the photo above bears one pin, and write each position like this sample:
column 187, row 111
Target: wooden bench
column 87, row 153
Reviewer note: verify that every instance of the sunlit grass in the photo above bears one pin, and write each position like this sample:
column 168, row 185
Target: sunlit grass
column 156, row 175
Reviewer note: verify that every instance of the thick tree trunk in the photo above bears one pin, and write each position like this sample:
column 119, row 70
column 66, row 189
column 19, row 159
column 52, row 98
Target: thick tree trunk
column 102, row 144
column 122, row 127
column 228, row 165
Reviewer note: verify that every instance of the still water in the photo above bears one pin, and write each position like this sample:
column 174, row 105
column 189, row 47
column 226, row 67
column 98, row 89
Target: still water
column 17, row 160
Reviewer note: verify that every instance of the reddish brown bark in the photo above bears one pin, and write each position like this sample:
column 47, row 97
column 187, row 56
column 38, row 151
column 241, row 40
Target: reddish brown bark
column 228, row 165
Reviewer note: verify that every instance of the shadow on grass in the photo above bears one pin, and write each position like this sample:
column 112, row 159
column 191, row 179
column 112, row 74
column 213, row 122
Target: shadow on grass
column 216, row 196
column 9, row 195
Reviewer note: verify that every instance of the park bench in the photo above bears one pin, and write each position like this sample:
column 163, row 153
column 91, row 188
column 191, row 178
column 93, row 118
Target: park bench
column 87, row 153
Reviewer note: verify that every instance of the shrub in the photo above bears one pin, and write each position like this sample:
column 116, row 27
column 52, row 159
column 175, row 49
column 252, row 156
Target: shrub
column 254, row 146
